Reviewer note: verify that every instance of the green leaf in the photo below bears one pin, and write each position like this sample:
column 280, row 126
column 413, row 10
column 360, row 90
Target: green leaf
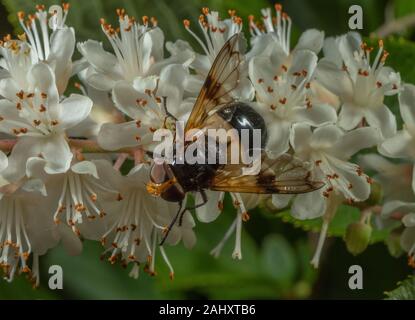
column 86, row 276
column 404, row 291
column 403, row 7
column 278, row 259
column 337, row 228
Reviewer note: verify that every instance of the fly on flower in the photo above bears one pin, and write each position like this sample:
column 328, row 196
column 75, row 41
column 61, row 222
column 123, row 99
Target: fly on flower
column 216, row 108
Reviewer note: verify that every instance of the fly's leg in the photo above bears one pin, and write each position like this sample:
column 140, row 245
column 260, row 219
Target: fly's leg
column 204, row 201
column 178, row 214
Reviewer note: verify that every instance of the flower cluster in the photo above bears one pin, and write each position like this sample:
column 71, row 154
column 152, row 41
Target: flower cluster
column 61, row 180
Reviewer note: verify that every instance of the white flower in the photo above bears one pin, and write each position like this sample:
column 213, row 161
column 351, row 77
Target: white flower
column 37, row 45
column 283, row 97
column 402, row 145
column 139, row 223
column 76, row 195
column 216, row 32
column 360, row 83
column 211, row 210
column 143, row 101
column 138, row 52
column 329, row 148
column 405, row 211
column 274, row 35
column 38, row 120
column 395, row 178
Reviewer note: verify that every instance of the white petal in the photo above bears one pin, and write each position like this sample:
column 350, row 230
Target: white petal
column 311, row 39
column 281, row 201
column 70, row 241
column 278, row 138
column 409, row 220
column 303, row 60
column 408, row 239
column 210, row 211
column 25, row 148
column 85, row 167
column 3, row 161
column 42, row 77
column 261, row 72
column 56, row 152
column 308, row 205
column 334, row 79
column 326, row 137
column 113, row 136
column 9, row 88
column 62, row 45
column 401, row 145
column 171, row 85
column 397, row 206
column 383, row 119
column 407, row 106
column 100, row 59
column 125, row 98
column 317, row 115
column 356, row 140
column 350, row 116
column 142, row 84
column 300, row 137
column 74, row 110
column 360, row 190
column 100, row 81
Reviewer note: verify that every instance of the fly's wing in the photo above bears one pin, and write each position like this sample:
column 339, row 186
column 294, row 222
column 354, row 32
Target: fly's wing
column 285, row 175
column 223, row 77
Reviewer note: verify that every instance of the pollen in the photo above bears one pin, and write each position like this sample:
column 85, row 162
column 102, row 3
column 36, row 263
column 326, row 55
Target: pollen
column 119, row 197
column 21, row 15
column 278, row 7
column 245, row 217
column 20, row 94
column 284, row 68
column 55, row 122
column 36, row 122
column 154, row 21
column 378, row 84
column 270, row 90
column 66, row 6
column 205, row 11
column 42, row 108
column 283, row 100
column 138, row 123
column 145, row 20
column 220, row 205
column 120, row 12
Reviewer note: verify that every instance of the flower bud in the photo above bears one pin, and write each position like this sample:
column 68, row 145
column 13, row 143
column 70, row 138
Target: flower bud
column 393, row 243
column 357, row 237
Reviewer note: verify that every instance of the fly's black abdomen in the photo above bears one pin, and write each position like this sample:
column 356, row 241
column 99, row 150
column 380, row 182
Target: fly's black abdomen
column 241, row 116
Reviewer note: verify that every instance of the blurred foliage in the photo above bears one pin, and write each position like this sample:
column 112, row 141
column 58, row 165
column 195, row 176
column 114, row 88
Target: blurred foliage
column 404, row 291
column 276, row 254
column 345, row 215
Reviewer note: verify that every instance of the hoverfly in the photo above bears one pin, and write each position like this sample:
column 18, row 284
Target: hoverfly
column 215, row 107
